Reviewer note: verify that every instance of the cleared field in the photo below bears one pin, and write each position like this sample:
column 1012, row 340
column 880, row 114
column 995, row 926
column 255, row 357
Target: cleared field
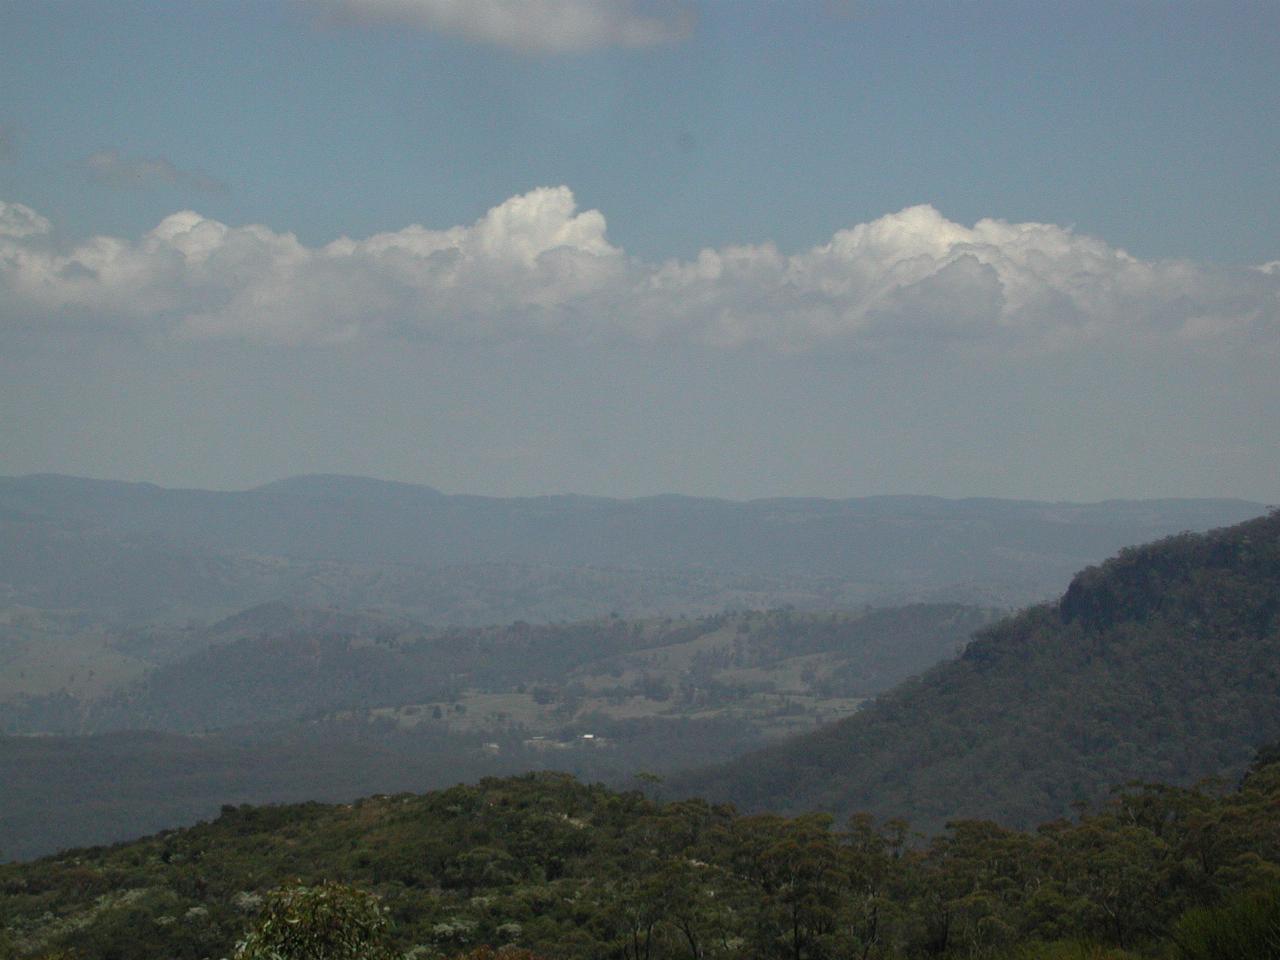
column 44, row 652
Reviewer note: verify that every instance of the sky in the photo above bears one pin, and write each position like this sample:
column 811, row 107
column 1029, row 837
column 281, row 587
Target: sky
column 620, row 247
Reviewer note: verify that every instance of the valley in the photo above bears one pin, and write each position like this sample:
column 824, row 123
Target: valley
column 880, row 744
column 358, row 706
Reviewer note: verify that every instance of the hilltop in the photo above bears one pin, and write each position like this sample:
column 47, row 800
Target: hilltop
column 1161, row 664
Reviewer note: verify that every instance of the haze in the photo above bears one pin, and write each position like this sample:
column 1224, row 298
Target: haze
column 736, row 250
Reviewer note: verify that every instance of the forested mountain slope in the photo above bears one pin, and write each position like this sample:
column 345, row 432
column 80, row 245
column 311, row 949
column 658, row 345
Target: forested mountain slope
column 1161, row 664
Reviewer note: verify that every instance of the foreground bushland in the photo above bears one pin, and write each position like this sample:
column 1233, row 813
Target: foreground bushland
column 550, row 865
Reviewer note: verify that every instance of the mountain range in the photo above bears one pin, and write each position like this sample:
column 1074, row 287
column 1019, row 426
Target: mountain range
column 139, row 551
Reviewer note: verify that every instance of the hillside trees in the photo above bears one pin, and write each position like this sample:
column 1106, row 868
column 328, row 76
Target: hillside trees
column 576, row 872
column 1160, row 665
column 329, row 921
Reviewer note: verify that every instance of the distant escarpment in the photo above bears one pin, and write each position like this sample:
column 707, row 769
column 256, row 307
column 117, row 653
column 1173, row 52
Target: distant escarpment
column 1160, row 664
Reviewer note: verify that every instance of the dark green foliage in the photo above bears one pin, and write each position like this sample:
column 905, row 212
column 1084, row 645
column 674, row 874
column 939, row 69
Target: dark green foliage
column 1163, row 664
column 1246, row 927
column 329, row 921
column 565, row 870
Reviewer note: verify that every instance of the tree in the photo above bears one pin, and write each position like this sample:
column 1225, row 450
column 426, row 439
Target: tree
column 1245, row 927
column 327, row 922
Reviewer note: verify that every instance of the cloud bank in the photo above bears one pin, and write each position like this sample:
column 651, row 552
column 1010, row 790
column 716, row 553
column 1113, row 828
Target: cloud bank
column 536, row 266
column 109, row 166
column 530, row 26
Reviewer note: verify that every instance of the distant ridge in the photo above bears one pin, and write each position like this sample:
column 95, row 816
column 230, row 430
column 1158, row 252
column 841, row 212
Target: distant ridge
column 73, row 542
column 1161, row 664
column 276, row 617
column 345, row 485
column 357, row 485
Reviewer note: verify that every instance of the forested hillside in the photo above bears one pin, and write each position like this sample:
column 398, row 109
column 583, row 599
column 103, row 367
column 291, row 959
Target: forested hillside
column 1161, row 664
column 278, row 703
column 577, row 872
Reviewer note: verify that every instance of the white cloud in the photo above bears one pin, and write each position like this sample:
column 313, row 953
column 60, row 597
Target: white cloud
column 18, row 221
column 110, row 167
column 517, row 270
column 532, row 26
column 536, row 266
column 916, row 276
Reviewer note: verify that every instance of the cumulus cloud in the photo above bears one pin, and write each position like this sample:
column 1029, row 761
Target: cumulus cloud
column 110, row 167
column 916, row 277
column 532, row 26
column 536, row 266
column 519, row 269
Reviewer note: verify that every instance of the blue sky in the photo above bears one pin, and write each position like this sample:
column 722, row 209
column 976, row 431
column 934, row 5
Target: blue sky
column 1122, row 348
